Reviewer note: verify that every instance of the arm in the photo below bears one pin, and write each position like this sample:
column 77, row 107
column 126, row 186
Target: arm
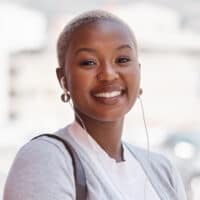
column 42, row 169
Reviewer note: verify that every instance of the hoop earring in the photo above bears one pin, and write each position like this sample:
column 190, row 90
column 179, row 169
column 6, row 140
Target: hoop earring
column 65, row 97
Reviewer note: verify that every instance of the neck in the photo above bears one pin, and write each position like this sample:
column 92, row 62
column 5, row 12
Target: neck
column 106, row 134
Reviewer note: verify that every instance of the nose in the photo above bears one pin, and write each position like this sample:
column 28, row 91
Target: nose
column 107, row 73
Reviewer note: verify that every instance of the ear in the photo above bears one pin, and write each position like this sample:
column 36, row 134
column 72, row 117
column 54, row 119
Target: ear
column 61, row 78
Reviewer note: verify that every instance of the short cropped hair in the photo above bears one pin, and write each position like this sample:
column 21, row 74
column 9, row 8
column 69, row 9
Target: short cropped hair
column 85, row 18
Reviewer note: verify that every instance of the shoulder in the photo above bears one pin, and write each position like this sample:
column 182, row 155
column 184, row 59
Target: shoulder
column 42, row 168
column 44, row 150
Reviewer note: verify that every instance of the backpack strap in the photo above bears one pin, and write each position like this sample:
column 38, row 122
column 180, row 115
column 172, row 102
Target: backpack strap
column 79, row 173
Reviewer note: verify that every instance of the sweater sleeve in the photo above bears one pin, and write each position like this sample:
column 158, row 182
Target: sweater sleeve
column 43, row 170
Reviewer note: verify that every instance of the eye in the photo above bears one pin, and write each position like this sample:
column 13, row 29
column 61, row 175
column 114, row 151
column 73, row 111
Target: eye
column 122, row 60
column 87, row 63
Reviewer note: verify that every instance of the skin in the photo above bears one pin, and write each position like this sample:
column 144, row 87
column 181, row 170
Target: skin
column 102, row 58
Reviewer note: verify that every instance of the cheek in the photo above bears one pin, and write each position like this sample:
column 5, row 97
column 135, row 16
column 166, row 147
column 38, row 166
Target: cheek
column 133, row 83
column 79, row 85
column 133, row 78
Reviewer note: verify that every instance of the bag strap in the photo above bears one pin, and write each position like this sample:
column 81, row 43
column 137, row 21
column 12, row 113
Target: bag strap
column 79, row 173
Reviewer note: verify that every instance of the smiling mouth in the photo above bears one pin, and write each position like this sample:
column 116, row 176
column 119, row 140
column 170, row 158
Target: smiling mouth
column 108, row 94
column 111, row 97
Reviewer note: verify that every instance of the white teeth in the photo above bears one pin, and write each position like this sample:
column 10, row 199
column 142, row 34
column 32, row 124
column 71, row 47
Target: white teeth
column 108, row 94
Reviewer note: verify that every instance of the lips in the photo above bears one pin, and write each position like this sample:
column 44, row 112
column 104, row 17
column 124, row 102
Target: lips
column 109, row 94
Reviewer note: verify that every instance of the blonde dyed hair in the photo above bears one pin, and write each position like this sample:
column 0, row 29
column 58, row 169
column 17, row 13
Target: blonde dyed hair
column 83, row 19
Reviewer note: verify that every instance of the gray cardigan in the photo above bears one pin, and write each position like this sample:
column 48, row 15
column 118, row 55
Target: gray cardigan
column 43, row 170
column 163, row 176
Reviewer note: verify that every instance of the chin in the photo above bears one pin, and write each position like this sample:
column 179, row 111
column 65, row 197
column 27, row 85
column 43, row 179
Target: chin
column 104, row 114
column 109, row 116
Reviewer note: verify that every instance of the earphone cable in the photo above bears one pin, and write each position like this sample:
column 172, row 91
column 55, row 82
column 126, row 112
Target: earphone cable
column 79, row 118
column 146, row 128
column 148, row 142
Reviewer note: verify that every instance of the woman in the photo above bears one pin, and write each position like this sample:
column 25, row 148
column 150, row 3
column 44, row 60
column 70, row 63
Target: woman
column 99, row 71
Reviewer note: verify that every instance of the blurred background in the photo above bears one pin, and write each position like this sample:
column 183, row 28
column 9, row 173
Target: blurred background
column 168, row 34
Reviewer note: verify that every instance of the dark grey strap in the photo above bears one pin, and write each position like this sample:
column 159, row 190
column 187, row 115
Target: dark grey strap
column 79, row 174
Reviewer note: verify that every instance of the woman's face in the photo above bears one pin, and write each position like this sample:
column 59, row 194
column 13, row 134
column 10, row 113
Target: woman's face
column 102, row 71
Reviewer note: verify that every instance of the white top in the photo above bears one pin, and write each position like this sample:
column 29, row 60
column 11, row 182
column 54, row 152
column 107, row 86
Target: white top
column 127, row 177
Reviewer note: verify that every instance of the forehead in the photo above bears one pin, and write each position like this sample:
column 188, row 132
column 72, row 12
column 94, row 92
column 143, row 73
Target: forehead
column 101, row 32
